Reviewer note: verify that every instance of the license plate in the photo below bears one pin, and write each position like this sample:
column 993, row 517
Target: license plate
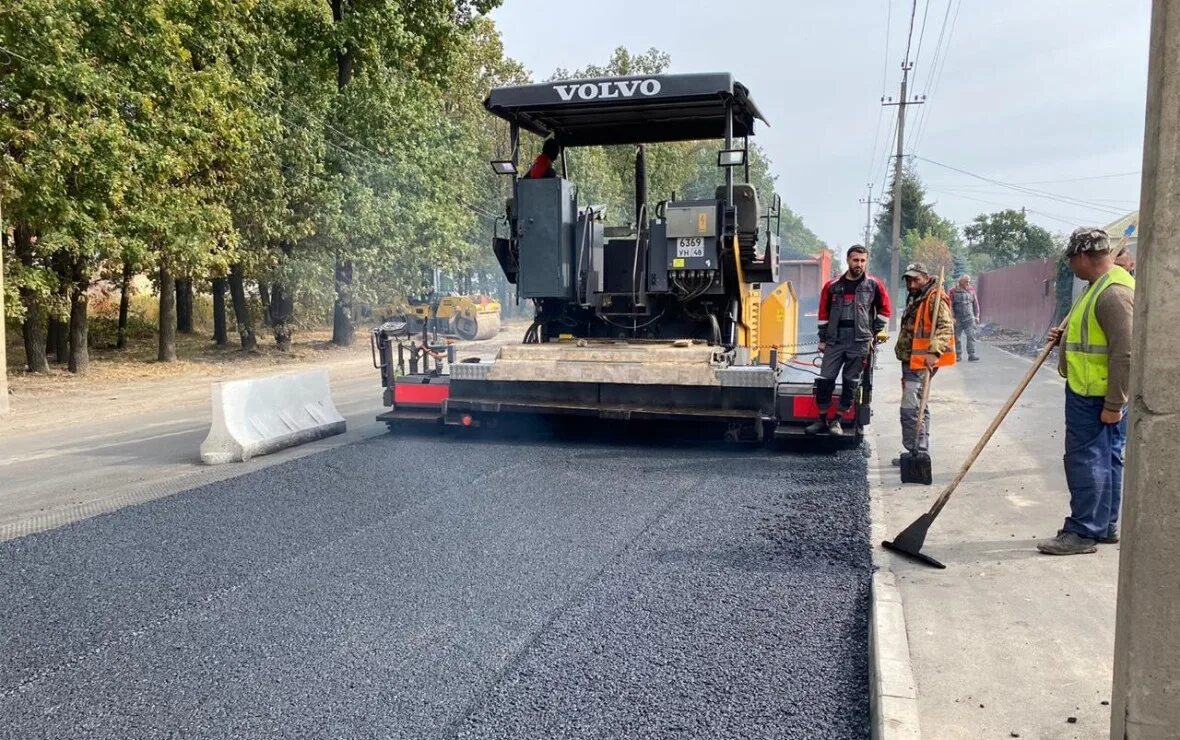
column 690, row 246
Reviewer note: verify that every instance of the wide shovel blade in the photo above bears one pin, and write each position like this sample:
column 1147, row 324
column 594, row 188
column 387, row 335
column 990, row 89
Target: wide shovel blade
column 911, row 539
column 916, row 467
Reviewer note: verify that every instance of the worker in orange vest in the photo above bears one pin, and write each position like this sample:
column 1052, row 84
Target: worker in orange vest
column 921, row 347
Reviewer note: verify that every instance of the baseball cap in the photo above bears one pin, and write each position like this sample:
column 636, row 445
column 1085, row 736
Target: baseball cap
column 1087, row 239
column 916, row 269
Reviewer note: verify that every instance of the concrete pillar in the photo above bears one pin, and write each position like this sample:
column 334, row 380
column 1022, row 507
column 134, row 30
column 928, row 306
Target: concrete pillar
column 1146, row 700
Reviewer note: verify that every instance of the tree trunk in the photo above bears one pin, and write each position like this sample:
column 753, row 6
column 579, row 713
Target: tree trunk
column 33, row 328
column 167, row 348
column 33, row 332
column 124, row 305
column 343, row 331
column 237, row 292
column 184, row 305
column 282, row 308
column 264, row 296
column 59, row 329
column 57, row 340
column 79, row 331
column 220, row 337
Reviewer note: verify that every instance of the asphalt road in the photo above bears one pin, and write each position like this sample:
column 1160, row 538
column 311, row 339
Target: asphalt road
column 91, row 463
column 436, row 587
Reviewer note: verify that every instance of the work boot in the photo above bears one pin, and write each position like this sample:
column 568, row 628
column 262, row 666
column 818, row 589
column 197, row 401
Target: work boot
column 1067, row 543
column 1112, row 536
column 973, row 358
column 815, row 427
column 834, row 428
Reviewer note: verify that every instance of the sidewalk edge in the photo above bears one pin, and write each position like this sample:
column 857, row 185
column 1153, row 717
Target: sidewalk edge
column 893, row 693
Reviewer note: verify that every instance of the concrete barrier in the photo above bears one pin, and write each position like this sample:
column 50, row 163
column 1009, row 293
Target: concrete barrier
column 261, row 415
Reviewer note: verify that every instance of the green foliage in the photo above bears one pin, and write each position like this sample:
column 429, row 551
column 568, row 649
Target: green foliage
column 1006, row 238
column 290, row 137
column 196, row 134
column 919, row 221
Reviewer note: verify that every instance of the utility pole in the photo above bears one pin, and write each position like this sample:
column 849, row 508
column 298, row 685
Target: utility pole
column 895, row 258
column 868, row 201
column 1145, row 704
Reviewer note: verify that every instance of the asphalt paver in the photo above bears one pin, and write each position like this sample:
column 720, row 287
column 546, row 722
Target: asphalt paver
column 411, row 587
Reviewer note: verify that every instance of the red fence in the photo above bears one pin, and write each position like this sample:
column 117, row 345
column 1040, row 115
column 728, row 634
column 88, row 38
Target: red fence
column 1020, row 297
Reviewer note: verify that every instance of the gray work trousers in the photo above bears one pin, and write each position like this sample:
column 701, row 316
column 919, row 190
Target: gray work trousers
column 965, row 329
column 911, row 399
column 844, row 359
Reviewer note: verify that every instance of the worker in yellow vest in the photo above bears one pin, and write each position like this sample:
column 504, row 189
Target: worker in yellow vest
column 1096, row 363
column 922, row 349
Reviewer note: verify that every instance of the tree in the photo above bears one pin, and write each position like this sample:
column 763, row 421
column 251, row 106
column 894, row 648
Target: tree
column 926, row 236
column 962, row 266
column 1006, row 238
column 916, row 216
column 934, row 253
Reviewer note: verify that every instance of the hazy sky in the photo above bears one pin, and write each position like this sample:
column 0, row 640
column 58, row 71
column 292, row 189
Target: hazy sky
column 1028, row 92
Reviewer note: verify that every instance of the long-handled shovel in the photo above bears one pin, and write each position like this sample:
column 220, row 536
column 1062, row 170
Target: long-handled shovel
column 911, row 539
column 916, row 466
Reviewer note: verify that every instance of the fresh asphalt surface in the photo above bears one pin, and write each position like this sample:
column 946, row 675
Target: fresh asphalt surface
column 418, row 587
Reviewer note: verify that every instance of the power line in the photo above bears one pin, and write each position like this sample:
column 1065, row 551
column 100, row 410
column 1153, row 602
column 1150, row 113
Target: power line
column 922, row 34
column 12, row 53
column 1135, row 173
column 876, row 138
column 936, row 74
column 988, row 189
column 921, row 122
column 885, row 67
column 910, row 37
column 937, row 47
column 884, row 78
column 1063, row 219
column 1027, row 191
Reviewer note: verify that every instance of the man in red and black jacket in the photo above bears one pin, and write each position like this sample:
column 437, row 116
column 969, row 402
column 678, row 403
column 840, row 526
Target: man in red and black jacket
column 852, row 311
column 543, row 165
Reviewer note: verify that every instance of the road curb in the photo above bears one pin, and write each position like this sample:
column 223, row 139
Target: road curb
column 893, row 693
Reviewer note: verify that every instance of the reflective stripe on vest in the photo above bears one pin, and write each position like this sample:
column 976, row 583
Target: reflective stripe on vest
column 923, row 331
column 1086, row 347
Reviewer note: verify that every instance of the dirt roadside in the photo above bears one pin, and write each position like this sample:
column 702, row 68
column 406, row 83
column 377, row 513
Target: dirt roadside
column 113, row 390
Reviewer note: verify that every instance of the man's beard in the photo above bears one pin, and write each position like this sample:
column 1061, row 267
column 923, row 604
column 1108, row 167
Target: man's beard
column 855, row 272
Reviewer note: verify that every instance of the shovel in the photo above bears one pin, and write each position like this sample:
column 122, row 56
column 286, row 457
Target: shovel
column 916, row 466
column 911, row 539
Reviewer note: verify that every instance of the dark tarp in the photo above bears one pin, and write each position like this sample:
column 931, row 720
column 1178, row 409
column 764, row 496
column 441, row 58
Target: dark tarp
column 628, row 110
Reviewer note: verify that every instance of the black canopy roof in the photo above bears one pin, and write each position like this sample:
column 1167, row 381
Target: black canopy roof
column 628, row 110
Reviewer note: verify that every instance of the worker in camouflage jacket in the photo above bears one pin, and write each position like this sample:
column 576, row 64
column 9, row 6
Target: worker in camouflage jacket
column 921, row 348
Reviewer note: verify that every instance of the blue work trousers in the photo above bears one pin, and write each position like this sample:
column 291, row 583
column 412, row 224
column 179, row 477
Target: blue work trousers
column 1093, row 466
